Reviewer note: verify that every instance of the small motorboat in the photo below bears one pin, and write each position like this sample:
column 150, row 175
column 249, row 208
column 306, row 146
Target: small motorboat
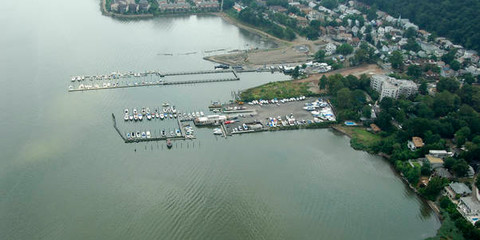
column 138, row 134
column 125, row 111
column 162, row 116
column 171, row 116
column 202, row 114
column 125, row 117
column 172, row 133
column 157, row 115
column 144, row 135
column 149, row 117
column 163, row 133
column 217, row 131
column 132, row 134
column 165, row 104
column 149, row 135
column 128, row 135
column 169, row 144
column 135, row 117
column 140, row 117
column 178, row 132
column 130, row 117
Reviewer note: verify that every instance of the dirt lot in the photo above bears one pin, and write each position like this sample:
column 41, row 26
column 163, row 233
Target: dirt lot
column 368, row 69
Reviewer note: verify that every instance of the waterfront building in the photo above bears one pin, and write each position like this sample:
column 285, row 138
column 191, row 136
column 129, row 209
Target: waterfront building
column 455, row 188
column 469, row 208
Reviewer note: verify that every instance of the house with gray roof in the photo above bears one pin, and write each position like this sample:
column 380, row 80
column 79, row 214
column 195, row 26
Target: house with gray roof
column 455, row 188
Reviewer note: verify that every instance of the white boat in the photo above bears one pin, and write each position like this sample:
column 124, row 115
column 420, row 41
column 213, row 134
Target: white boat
column 140, row 117
column 163, row 133
column 128, row 135
column 135, row 117
column 178, row 132
column 135, row 111
column 202, row 114
column 138, row 134
column 149, row 117
column 131, row 117
column 157, row 115
column 149, row 135
column 171, row 116
column 198, row 114
column 162, row 116
column 125, row 117
column 217, row 131
column 144, row 135
column 165, row 104
column 125, row 111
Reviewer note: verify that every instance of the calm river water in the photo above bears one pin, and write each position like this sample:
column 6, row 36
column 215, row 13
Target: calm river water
column 66, row 174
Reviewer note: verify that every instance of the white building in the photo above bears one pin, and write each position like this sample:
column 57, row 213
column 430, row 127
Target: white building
column 469, row 208
column 391, row 87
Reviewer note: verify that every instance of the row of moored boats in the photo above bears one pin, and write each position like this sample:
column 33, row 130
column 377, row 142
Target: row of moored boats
column 164, row 113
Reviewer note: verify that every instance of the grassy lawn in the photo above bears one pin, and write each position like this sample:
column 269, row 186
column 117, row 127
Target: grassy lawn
column 364, row 137
column 284, row 89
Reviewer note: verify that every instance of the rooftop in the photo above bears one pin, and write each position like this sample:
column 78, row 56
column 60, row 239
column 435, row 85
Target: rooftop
column 434, row 160
column 460, row 188
column 418, row 142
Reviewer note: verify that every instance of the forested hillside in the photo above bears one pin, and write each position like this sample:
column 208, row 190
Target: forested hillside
column 457, row 20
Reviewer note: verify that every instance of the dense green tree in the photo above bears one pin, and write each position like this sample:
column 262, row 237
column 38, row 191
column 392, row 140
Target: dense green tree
column 344, row 98
column 345, row 49
column 423, row 88
column 396, row 59
column 449, row 57
column 448, row 84
column 410, row 33
column 330, row 4
column 412, row 45
column 462, row 135
column 455, row 65
column 323, row 82
column 366, row 111
column 460, row 168
column 296, row 72
column 434, row 187
column 320, row 56
column 414, row 71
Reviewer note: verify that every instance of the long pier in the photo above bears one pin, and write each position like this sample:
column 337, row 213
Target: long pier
column 91, row 84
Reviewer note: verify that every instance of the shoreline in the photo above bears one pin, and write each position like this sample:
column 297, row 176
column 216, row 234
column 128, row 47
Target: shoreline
column 433, row 206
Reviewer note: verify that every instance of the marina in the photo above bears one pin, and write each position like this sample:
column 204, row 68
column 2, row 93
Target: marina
column 178, row 131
